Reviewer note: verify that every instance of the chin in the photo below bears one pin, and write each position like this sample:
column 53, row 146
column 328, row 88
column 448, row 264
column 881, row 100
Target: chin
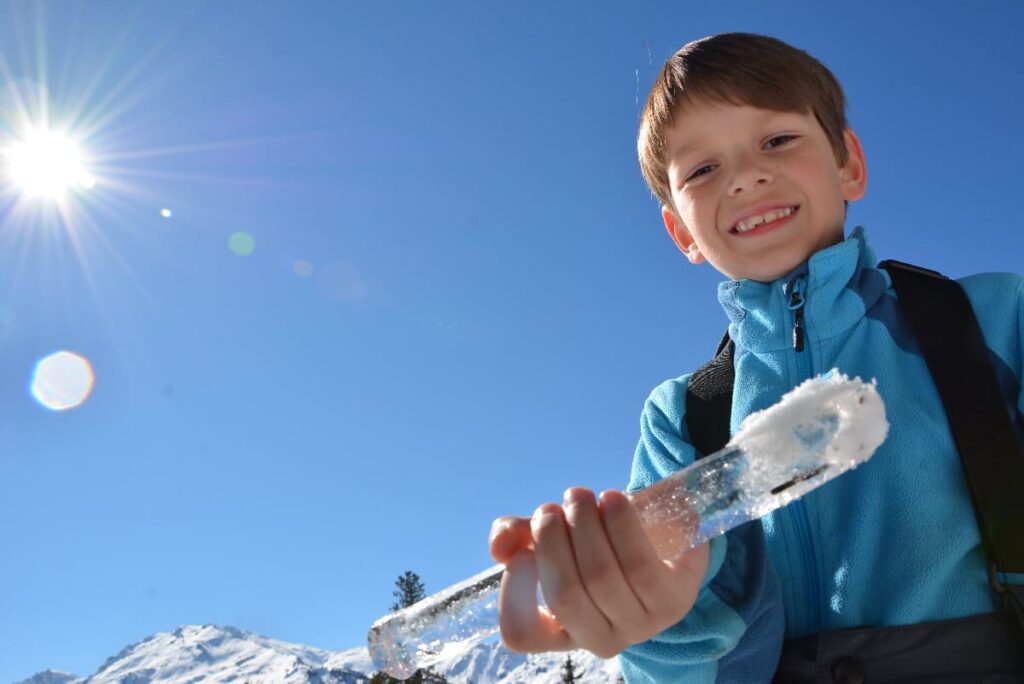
column 767, row 278
column 771, row 275
column 769, row 267
column 783, row 266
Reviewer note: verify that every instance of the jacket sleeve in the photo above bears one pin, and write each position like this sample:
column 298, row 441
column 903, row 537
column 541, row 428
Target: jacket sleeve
column 734, row 631
column 998, row 303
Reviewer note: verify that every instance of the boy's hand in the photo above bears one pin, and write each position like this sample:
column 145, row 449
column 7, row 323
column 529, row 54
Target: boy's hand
column 603, row 583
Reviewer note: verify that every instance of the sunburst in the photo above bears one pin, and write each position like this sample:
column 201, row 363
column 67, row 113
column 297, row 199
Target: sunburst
column 45, row 164
column 84, row 165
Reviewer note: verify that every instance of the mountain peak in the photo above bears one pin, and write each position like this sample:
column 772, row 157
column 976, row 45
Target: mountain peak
column 52, row 677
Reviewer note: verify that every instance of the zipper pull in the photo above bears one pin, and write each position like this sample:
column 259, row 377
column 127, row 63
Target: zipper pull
column 796, row 305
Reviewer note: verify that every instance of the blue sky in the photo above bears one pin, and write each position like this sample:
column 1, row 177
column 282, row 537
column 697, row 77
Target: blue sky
column 492, row 294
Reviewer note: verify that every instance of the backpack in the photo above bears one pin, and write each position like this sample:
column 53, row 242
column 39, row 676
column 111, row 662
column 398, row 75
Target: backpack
column 951, row 342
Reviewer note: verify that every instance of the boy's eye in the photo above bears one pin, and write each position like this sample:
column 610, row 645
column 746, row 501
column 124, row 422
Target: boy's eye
column 779, row 140
column 700, row 172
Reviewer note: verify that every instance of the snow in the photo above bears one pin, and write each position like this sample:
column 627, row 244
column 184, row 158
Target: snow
column 211, row 653
column 779, row 430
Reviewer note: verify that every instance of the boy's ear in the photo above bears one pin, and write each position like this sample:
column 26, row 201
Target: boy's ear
column 680, row 235
column 854, row 173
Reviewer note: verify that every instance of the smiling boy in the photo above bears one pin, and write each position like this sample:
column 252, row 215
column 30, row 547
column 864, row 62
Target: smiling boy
column 744, row 141
column 756, row 204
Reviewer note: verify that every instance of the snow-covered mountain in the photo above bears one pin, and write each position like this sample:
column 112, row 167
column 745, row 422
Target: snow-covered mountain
column 208, row 653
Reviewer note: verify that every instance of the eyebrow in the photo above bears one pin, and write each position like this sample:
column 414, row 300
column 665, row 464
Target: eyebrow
column 765, row 119
column 680, row 152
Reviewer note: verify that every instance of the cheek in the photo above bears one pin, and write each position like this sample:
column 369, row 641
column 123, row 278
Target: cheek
column 700, row 202
column 818, row 185
column 686, row 206
column 816, row 174
column 806, row 169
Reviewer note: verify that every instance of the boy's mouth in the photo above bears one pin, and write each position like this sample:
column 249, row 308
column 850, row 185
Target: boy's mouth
column 765, row 221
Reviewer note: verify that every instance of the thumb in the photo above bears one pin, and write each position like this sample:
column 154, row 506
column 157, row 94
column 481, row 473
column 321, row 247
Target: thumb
column 510, row 535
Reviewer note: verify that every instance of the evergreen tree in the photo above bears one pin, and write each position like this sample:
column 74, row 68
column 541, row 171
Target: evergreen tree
column 408, row 590
column 569, row 675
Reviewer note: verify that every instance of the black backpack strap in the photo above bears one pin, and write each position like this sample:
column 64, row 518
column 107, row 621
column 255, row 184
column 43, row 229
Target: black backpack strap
column 709, row 401
column 947, row 331
column 952, row 344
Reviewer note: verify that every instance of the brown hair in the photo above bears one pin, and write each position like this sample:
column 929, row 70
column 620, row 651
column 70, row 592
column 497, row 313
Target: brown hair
column 739, row 69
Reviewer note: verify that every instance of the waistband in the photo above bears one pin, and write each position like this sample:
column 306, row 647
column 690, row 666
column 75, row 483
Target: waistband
column 983, row 649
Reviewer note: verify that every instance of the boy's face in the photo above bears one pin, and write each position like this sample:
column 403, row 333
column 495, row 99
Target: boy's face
column 756, row 192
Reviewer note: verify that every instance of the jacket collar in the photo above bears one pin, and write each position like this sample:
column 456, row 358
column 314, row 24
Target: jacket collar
column 838, row 286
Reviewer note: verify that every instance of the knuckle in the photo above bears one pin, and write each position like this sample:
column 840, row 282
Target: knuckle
column 563, row 601
column 643, row 575
column 565, row 598
column 547, row 522
column 598, row 575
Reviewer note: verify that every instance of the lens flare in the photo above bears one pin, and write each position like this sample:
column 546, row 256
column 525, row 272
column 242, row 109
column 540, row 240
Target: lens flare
column 62, row 380
column 303, row 268
column 166, row 213
column 241, row 243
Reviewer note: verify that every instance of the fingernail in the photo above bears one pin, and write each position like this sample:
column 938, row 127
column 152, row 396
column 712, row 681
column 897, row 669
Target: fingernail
column 499, row 526
column 575, row 495
column 548, row 510
column 609, row 500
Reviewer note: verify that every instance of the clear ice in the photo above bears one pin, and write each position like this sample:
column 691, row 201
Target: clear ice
column 819, row 430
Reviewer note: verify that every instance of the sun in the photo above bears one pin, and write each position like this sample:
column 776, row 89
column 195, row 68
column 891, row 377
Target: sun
column 45, row 164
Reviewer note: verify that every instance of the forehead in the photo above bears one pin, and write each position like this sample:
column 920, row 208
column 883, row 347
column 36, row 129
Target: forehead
column 698, row 125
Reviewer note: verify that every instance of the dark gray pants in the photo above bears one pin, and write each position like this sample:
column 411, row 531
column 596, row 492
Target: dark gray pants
column 985, row 649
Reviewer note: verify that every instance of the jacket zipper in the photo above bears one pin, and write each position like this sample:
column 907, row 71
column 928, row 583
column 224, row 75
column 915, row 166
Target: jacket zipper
column 796, row 305
column 793, row 291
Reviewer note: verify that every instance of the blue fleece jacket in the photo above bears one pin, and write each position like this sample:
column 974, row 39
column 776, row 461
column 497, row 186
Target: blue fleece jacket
column 893, row 542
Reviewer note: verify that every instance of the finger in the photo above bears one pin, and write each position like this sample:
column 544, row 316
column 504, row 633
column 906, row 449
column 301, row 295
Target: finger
column 509, row 535
column 598, row 565
column 525, row 628
column 560, row 580
column 671, row 532
column 645, row 572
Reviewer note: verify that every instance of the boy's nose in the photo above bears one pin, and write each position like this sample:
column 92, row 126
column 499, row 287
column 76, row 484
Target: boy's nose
column 749, row 177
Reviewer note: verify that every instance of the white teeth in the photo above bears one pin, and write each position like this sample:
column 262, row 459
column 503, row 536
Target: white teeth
column 754, row 221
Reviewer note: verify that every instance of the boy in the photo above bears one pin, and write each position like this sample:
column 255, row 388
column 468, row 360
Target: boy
column 744, row 141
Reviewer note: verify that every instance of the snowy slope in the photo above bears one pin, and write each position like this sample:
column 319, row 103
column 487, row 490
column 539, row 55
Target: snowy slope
column 208, row 653
column 490, row 663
